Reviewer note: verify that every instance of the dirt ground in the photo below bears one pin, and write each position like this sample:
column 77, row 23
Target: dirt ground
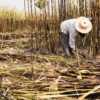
column 26, row 75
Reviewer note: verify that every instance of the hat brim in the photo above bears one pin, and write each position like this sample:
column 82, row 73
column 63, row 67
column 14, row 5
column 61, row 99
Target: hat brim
column 82, row 29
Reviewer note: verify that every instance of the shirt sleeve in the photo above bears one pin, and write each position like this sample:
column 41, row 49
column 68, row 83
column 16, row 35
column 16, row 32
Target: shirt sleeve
column 72, row 40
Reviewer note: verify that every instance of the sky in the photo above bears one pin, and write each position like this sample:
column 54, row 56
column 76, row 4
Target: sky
column 19, row 4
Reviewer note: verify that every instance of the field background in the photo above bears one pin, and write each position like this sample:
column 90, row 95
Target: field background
column 43, row 25
column 31, row 62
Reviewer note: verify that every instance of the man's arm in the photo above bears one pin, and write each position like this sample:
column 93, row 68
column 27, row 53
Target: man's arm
column 72, row 41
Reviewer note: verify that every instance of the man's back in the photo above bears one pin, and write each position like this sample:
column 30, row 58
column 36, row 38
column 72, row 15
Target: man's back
column 68, row 26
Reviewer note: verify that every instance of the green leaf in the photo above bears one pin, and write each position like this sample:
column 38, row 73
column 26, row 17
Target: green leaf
column 41, row 3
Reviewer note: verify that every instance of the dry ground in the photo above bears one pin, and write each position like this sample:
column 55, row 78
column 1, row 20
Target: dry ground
column 32, row 76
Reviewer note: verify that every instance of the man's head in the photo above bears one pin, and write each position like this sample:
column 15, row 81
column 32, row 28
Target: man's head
column 83, row 25
column 81, row 35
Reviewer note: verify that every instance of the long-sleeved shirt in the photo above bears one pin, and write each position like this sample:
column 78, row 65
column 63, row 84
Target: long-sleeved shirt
column 68, row 27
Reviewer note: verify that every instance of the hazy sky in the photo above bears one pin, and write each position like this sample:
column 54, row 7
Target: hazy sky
column 19, row 4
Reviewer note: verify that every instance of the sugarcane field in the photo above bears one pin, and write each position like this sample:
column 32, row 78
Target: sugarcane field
column 50, row 50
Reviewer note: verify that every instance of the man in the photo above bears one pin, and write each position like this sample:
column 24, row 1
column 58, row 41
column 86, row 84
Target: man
column 70, row 28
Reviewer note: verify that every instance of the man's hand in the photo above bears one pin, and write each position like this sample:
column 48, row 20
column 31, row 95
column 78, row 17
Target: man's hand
column 73, row 52
column 67, row 52
column 83, row 54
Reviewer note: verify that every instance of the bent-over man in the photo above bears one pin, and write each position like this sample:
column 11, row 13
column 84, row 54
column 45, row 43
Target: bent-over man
column 72, row 27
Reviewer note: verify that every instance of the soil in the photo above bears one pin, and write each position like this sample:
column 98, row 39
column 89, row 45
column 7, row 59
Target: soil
column 26, row 74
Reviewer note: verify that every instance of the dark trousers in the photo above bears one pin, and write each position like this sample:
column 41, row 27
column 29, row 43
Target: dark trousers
column 65, row 41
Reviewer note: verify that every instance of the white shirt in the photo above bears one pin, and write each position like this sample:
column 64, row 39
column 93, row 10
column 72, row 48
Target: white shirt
column 68, row 27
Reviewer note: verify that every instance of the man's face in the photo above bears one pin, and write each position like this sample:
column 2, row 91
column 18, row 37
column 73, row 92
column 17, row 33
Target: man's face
column 81, row 35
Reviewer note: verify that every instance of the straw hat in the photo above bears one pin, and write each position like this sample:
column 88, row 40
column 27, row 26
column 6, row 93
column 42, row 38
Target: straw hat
column 83, row 25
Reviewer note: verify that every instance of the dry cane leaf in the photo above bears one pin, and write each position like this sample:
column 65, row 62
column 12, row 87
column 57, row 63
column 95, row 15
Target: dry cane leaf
column 88, row 93
column 55, row 96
